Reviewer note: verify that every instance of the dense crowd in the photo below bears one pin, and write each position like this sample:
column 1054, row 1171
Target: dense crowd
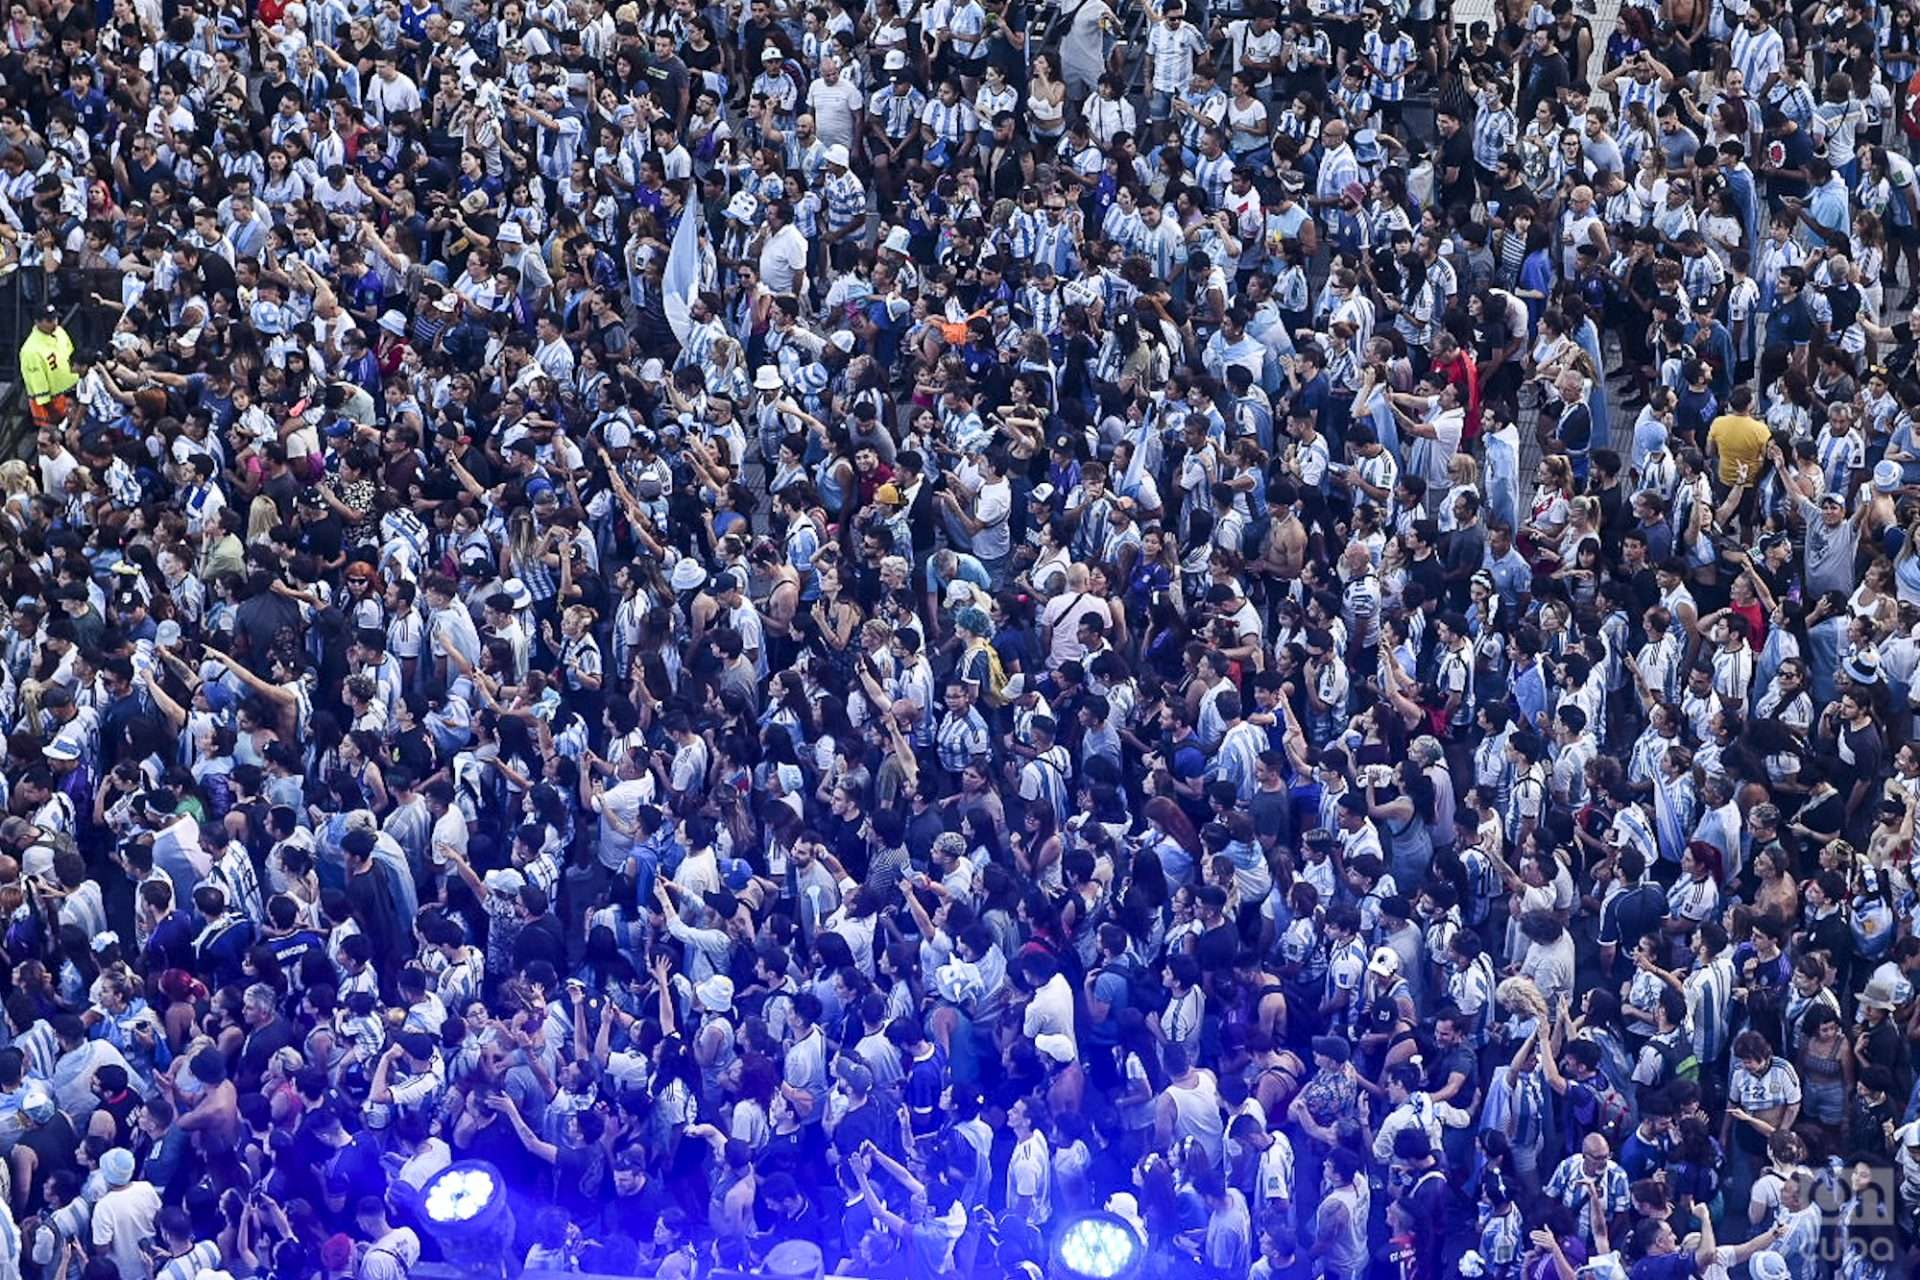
column 847, row 636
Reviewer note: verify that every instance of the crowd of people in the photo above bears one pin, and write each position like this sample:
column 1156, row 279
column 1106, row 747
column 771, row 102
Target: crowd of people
column 846, row 637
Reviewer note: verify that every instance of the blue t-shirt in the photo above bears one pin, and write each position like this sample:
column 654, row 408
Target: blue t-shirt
column 1668, row 1266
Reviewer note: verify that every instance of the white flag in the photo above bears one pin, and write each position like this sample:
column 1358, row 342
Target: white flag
column 681, row 280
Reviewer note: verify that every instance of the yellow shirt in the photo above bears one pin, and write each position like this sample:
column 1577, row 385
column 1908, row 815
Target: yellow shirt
column 46, row 366
column 1739, row 439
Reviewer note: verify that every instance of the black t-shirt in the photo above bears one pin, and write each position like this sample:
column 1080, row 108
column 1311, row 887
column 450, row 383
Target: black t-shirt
column 285, row 491
column 1457, row 153
column 1428, row 572
column 325, row 536
column 1631, row 915
column 1465, row 60
column 1217, row 948
column 1490, row 336
column 1517, row 196
column 1865, row 748
column 261, row 620
column 1458, row 1061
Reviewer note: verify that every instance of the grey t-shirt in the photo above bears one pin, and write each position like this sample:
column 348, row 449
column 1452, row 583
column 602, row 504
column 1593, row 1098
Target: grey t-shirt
column 1830, row 551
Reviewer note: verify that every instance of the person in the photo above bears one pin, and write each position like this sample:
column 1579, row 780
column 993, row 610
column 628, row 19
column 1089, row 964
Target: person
column 719, row 612
column 46, row 369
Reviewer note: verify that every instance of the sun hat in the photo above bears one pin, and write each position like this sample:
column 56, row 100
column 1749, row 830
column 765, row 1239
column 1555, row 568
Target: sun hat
column 687, row 574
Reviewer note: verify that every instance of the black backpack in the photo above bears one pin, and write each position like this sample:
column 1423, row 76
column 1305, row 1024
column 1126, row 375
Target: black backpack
column 1144, row 991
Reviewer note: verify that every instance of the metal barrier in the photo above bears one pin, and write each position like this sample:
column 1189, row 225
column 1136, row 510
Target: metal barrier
column 22, row 293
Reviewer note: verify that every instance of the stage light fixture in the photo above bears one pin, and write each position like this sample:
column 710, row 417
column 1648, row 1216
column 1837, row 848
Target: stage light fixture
column 1097, row 1246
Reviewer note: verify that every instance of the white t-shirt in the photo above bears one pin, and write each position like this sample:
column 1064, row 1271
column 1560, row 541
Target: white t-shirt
column 1276, row 1170
column 783, row 259
column 123, row 1221
column 1030, row 1174
column 1050, row 1012
column 992, row 508
column 833, row 107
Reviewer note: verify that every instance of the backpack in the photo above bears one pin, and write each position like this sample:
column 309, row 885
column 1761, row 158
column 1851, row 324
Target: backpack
column 1144, row 991
column 1614, row 1119
column 993, row 690
column 1677, row 1060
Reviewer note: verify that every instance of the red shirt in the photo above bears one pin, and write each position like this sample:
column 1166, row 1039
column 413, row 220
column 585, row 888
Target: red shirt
column 1465, row 377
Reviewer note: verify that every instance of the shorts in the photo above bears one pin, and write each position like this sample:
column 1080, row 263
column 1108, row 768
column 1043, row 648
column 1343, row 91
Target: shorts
column 50, row 412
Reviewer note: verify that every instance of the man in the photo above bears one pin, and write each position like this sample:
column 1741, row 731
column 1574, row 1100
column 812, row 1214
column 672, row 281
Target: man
column 783, row 251
column 392, row 1252
column 1030, row 1167
column 46, row 369
column 1172, row 48
column 962, row 737
column 986, row 518
column 1340, row 1222
column 1574, row 427
column 836, row 104
column 1738, row 439
column 1543, row 72
column 123, row 1218
column 846, row 204
column 1590, row 1174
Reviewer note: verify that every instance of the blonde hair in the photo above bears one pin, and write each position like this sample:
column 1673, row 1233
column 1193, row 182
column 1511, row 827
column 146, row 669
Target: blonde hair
column 16, row 479
column 1522, row 995
column 263, row 517
column 1464, row 471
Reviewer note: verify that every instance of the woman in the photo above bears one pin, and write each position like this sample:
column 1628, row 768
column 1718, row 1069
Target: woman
column 1512, row 245
column 1046, row 100
column 1550, row 508
column 1694, row 1168
column 1826, row 1070
column 1695, row 895
column 1390, row 210
column 1874, row 601
column 1650, row 180
column 1248, row 133
column 1569, row 163
column 1778, row 894
column 1100, row 587
column 833, row 619
column 1536, row 279
column 1536, row 147
column 1171, row 839
column 1723, row 227
column 1404, row 813
column 1037, row 847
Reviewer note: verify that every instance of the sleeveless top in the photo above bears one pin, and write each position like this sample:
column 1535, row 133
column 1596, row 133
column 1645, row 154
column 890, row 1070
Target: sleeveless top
column 1347, row 1254
column 1196, row 1115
